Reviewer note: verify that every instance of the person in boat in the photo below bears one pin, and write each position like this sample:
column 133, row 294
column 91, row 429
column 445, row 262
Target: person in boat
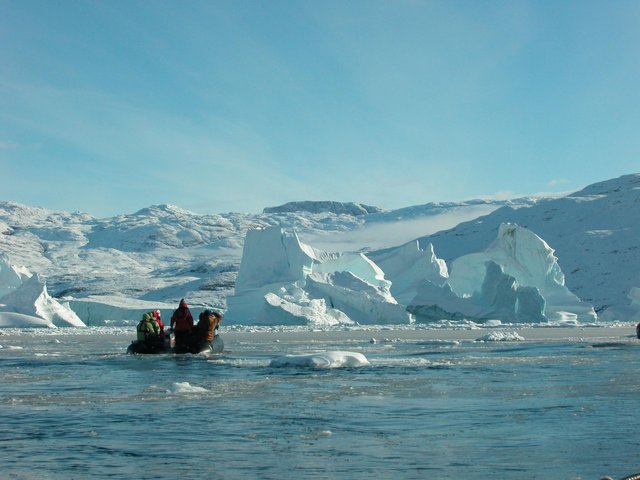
column 182, row 325
column 148, row 332
column 206, row 330
column 156, row 315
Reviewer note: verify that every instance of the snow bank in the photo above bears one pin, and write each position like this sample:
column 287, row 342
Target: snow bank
column 331, row 359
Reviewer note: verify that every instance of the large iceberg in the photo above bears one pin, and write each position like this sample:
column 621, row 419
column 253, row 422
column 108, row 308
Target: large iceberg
column 25, row 302
column 517, row 278
column 284, row 281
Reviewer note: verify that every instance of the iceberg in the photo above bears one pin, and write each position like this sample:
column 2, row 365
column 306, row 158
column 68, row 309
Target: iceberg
column 299, row 310
column 499, row 297
column 284, row 281
column 517, row 279
column 101, row 310
column 19, row 320
column 32, row 299
column 330, row 359
column 25, row 302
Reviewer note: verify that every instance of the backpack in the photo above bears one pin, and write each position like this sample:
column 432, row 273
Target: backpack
column 148, row 328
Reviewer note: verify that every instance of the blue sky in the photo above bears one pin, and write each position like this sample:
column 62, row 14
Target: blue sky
column 110, row 106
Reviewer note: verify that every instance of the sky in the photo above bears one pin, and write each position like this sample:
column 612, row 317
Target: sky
column 110, row 106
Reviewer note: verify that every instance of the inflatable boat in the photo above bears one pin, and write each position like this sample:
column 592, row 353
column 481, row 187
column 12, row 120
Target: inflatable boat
column 139, row 347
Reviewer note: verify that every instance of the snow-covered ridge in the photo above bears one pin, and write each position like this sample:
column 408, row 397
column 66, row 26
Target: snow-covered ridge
column 337, row 208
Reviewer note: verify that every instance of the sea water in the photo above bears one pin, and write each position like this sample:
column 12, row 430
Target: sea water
column 74, row 405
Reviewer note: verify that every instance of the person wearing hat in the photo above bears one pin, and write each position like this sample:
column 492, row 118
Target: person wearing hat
column 156, row 315
column 182, row 325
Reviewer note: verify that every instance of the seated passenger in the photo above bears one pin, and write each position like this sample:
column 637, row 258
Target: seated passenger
column 148, row 330
column 206, row 330
column 156, row 315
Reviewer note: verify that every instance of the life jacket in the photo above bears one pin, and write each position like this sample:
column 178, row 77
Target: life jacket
column 147, row 329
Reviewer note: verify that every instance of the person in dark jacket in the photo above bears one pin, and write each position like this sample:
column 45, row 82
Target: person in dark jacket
column 182, row 325
column 205, row 331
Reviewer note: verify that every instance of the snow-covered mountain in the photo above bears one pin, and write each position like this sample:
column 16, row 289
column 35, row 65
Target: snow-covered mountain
column 163, row 253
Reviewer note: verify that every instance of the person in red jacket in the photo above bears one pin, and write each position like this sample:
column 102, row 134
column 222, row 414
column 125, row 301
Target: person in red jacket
column 156, row 315
column 182, row 324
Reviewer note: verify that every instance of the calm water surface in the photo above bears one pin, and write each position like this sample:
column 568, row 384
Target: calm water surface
column 75, row 406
